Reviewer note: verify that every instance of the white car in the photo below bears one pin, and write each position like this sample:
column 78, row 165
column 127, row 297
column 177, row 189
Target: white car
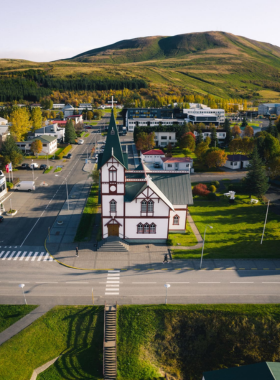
column 80, row 142
column 34, row 166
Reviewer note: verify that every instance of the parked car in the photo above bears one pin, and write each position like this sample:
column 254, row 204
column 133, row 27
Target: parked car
column 24, row 166
column 34, row 166
column 156, row 165
column 102, row 146
column 1, row 218
column 69, row 155
column 80, row 142
column 44, row 167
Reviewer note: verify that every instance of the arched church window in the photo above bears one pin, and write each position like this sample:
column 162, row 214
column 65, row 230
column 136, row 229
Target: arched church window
column 144, row 206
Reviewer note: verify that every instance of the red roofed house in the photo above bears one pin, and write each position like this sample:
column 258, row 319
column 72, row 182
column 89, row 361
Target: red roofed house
column 153, row 155
column 177, row 163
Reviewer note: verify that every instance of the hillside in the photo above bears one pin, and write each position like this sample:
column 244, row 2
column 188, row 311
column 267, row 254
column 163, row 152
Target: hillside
column 218, row 63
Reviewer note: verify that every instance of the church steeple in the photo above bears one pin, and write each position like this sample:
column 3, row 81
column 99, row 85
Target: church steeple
column 113, row 145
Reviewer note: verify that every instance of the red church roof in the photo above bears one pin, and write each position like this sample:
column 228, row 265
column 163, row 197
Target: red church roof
column 171, row 160
column 152, row 152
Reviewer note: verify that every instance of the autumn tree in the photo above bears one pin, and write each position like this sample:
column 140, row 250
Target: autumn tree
column 215, row 157
column 36, row 118
column 89, row 115
column 200, row 150
column 187, row 141
column 248, row 131
column 228, row 132
column 36, row 147
column 199, row 137
column 236, row 131
column 273, row 167
column 208, row 140
column 61, row 115
column 145, row 141
column 10, row 152
column 247, row 145
column 235, row 145
column 21, row 123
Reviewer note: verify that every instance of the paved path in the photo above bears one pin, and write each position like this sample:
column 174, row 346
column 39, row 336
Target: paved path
column 196, row 233
column 24, row 322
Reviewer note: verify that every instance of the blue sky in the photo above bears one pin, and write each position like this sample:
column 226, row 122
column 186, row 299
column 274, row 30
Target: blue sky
column 49, row 30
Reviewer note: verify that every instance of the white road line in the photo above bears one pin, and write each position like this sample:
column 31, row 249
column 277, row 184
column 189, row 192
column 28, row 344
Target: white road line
column 21, row 257
column 113, row 282
column 208, row 282
column 143, row 282
column 111, row 290
column 76, row 282
column 270, row 282
column 34, row 257
column 4, row 257
column 113, row 271
column 113, row 286
column 1, row 254
column 46, row 257
column 113, row 275
column 112, row 294
column 17, row 255
column 28, row 256
column 239, row 282
column 10, row 257
column 40, row 257
column 49, row 282
column 18, row 282
column 178, row 282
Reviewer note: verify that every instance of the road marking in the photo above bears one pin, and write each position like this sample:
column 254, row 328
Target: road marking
column 17, row 255
column 111, row 294
column 10, row 257
column 178, row 282
column 40, row 257
column 113, row 275
column 4, row 257
column 1, row 254
column 111, row 285
column 113, row 282
column 113, row 271
column 202, row 282
column 46, row 257
column 76, row 282
column 241, row 282
column 34, row 257
column 270, row 282
column 21, row 257
column 112, row 290
column 265, row 268
column 19, row 282
column 28, row 256
column 143, row 282
column 46, row 282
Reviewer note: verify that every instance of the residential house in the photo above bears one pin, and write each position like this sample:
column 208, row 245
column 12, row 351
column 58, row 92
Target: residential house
column 75, row 118
column 58, row 106
column 177, row 163
column 153, row 155
column 68, row 110
column 3, row 121
column 221, row 134
column 258, row 371
column 49, row 145
column 137, row 206
column 50, row 130
column 162, row 139
column 85, row 107
column 237, row 161
column 149, row 113
column 4, row 133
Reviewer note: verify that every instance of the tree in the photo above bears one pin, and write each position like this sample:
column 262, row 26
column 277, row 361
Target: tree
column 200, row 150
column 169, row 148
column 244, row 122
column 215, row 157
column 36, row 118
column 95, row 176
column 256, row 181
column 236, row 131
column 21, row 124
column 61, row 115
column 208, row 140
column 70, row 135
column 10, row 152
column 247, row 145
column 228, row 132
column 200, row 189
column 248, row 131
column 268, row 147
column 79, row 127
column 89, row 115
column 272, row 129
column 36, row 147
column 199, row 137
column 187, row 141
column 47, row 104
column 273, row 167
column 145, row 141
column 235, row 145
column 214, row 138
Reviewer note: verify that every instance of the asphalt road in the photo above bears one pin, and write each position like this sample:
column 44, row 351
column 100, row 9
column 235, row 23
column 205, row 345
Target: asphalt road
column 50, row 283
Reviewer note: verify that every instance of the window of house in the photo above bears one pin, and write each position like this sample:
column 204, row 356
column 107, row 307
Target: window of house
column 152, row 228
column 140, row 228
column 44, row 144
column 112, row 174
column 176, row 219
column 146, row 228
column 231, row 163
column 144, row 206
column 113, row 206
column 169, row 137
column 150, row 206
column 169, row 165
column 235, row 164
column 164, row 137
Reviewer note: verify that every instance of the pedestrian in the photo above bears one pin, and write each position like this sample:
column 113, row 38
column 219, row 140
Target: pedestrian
column 165, row 259
column 77, row 252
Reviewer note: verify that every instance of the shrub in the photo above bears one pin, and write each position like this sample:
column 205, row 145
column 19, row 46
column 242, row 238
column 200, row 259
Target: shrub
column 237, row 187
column 215, row 183
column 212, row 188
column 212, row 196
column 10, row 185
column 201, row 189
column 64, row 152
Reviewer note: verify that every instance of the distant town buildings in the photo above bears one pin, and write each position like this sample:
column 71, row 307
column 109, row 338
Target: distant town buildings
column 148, row 122
column 49, row 145
column 200, row 113
column 267, row 109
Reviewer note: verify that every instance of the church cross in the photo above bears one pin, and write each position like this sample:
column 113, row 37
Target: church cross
column 112, row 101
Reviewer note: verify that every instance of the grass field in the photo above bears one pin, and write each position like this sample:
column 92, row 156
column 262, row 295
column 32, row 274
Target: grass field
column 10, row 314
column 48, row 170
column 186, row 340
column 85, row 227
column 237, row 230
column 57, row 170
column 185, row 239
column 76, row 333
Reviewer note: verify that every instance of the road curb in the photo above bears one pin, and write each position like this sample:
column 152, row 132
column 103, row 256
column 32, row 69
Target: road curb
column 69, row 266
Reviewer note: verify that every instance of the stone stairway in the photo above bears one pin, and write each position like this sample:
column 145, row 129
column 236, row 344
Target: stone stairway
column 113, row 244
column 110, row 344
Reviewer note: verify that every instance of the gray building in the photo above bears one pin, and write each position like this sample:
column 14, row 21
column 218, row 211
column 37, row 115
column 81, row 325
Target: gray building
column 267, row 109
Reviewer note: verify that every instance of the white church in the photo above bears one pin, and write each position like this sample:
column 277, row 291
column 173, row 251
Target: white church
column 137, row 206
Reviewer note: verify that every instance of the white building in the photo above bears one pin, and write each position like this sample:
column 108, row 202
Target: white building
column 4, row 133
column 221, row 134
column 177, row 163
column 162, row 139
column 51, row 130
column 85, row 107
column 149, row 122
column 237, row 161
column 204, row 114
column 3, row 185
column 68, row 110
column 153, row 155
column 58, row 106
column 135, row 206
column 75, row 118
column 269, row 109
column 3, row 121
column 49, row 145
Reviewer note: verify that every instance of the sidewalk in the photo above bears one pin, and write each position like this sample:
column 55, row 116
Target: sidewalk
column 24, row 322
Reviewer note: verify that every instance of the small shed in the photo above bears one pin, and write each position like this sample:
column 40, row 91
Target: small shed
column 237, row 161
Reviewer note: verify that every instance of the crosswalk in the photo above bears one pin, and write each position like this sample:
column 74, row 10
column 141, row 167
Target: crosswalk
column 24, row 255
column 113, row 283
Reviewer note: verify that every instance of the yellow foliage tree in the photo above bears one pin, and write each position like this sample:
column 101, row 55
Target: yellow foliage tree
column 36, row 118
column 37, row 147
column 21, row 123
column 215, row 158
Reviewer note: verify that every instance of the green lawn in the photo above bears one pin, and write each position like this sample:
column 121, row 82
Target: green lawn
column 186, row 239
column 57, row 170
column 86, row 135
column 76, row 333
column 10, row 314
column 48, row 170
column 237, row 230
column 85, row 227
column 186, row 340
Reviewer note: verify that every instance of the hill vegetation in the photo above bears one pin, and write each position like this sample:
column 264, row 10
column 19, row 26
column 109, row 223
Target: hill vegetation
column 217, row 63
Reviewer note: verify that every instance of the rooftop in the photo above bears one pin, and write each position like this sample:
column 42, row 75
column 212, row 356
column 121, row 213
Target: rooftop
column 44, row 139
column 237, row 157
column 153, row 152
column 170, row 160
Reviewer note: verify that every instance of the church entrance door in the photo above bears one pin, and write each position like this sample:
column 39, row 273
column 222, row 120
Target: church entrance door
column 113, row 230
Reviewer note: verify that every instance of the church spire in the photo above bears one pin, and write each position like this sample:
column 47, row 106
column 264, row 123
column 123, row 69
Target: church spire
column 113, row 145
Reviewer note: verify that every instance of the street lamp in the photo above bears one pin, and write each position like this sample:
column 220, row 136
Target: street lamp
column 166, row 286
column 22, row 286
column 203, row 244
column 66, row 188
